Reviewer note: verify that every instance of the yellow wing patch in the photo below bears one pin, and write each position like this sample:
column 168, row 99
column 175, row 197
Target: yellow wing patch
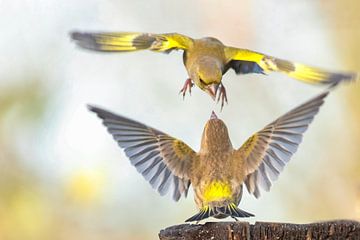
column 181, row 149
column 295, row 70
column 117, row 42
column 232, row 53
column 249, row 145
column 167, row 42
column 217, row 190
column 131, row 41
column 309, row 74
column 304, row 73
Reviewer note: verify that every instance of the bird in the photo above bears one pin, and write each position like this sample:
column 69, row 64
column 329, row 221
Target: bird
column 218, row 171
column 207, row 59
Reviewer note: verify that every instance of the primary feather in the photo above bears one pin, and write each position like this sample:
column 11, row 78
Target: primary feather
column 161, row 159
column 267, row 151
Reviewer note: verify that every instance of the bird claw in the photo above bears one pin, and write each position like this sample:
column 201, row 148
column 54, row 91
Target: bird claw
column 222, row 95
column 187, row 85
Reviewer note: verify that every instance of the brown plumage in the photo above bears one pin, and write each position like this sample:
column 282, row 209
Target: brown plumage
column 217, row 171
column 207, row 59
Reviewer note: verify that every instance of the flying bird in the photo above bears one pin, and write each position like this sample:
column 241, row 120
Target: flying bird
column 207, row 59
column 218, row 171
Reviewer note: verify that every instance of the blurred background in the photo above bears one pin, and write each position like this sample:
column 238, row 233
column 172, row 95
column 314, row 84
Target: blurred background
column 63, row 177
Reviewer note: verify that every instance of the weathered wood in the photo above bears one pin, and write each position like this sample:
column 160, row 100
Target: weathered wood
column 339, row 229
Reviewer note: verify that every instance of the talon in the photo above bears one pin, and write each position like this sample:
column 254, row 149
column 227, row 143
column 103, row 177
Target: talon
column 222, row 95
column 187, row 85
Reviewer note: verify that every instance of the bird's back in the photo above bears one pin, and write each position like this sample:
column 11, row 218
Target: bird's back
column 204, row 48
column 217, row 178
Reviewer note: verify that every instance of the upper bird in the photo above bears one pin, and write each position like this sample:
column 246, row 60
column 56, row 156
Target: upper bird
column 207, row 59
column 217, row 171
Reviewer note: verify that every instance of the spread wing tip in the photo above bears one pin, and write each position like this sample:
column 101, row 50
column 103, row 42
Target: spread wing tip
column 336, row 78
column 104, row 114
column 91, row 108
column 97, row 110
column 76, row 35
column 279, row 141
column 319, row 98
column 86, row 40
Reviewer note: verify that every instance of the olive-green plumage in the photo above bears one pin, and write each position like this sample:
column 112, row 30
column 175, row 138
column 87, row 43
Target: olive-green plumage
column 217, row 171
column 207, row 59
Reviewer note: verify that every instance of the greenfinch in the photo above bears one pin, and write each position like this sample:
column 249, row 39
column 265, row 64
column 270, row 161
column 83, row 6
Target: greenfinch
column 207, row 59
column 218, row 171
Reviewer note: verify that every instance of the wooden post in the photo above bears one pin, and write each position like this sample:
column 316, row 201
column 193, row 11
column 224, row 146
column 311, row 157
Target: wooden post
column 338, row 229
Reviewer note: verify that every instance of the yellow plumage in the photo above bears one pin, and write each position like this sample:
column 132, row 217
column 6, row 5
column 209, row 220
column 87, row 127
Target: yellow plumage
column 217, row 172
column 217, row 191
column 208, row 59
column 311, row 75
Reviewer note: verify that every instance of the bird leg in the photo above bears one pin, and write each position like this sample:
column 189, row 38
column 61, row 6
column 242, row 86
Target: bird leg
column 235, row 218
column 222, row 95
column 187, row 85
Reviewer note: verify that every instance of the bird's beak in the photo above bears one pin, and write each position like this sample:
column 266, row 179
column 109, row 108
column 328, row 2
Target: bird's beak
column 213, row 115
column 212, row 90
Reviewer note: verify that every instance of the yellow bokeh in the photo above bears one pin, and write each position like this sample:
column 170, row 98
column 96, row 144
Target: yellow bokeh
column 25, row 216
column 85, row 187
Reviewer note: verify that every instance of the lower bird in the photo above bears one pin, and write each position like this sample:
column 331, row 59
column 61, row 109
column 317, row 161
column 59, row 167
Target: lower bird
column 218, row 171
column 207, row 59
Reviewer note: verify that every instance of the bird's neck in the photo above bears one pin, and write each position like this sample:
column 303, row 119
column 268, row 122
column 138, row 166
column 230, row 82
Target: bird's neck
column 215, row 145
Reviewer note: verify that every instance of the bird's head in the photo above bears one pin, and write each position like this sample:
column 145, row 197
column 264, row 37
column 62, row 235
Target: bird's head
column 215, row 135
column 207, row 75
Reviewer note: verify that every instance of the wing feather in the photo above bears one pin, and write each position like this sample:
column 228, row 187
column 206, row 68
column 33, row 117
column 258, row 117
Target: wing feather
column 267, row 151
column 245, row 61
column 131, row 41
column 163, row 160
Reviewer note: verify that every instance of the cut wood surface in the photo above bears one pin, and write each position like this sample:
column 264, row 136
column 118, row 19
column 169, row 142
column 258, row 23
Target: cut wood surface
column 337, row 229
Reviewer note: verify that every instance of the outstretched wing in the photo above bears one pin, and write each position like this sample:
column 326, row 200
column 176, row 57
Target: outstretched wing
column 246, row 61
column 160, row 158
column 266, row 152
column 131, row 41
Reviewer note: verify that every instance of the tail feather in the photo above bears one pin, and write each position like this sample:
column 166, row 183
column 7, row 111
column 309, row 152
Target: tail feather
column 205, row 212
column 230, row 210
column 239, row 212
